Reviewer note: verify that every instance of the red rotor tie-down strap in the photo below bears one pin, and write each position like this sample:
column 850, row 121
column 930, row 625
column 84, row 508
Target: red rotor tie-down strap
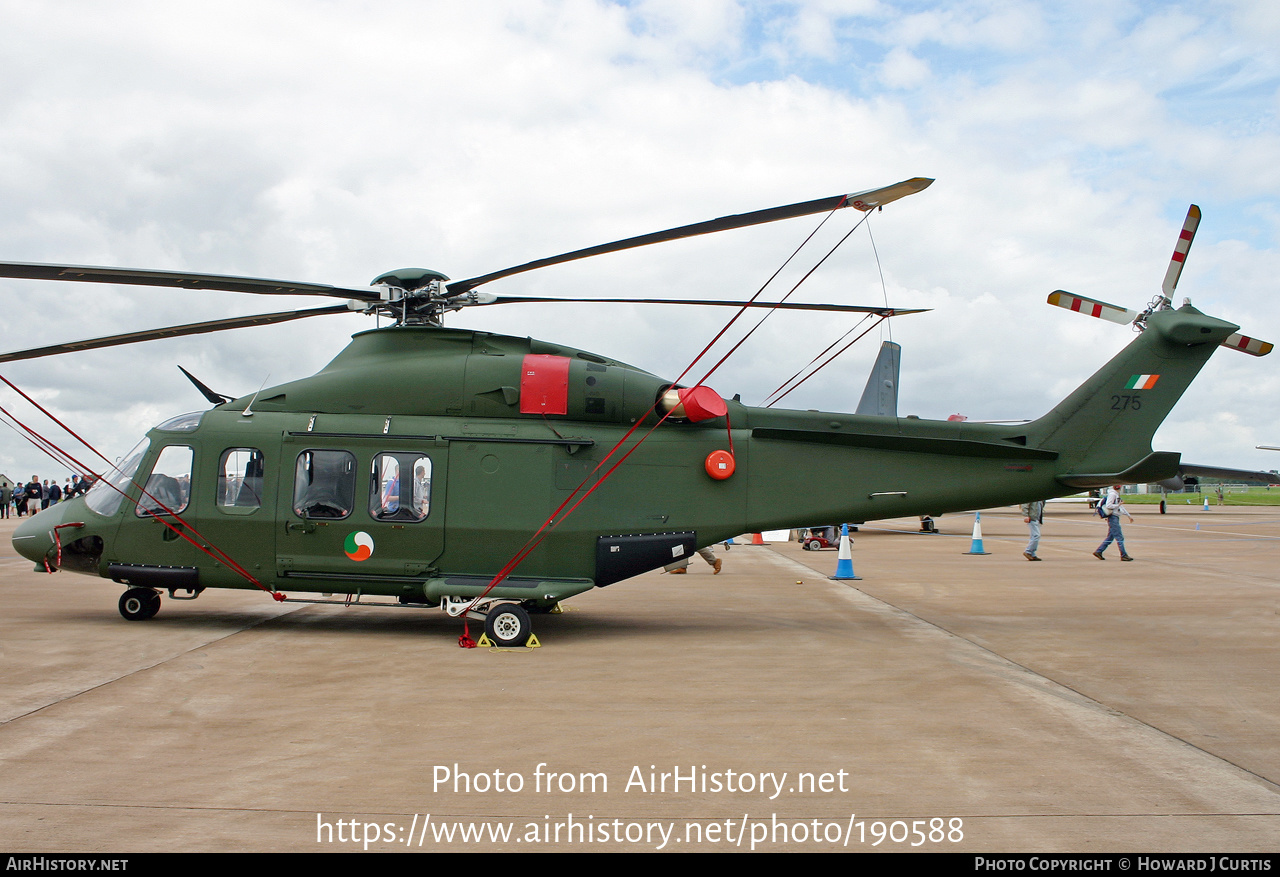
column 825, row 364
column 60, row 455
column 465, row 640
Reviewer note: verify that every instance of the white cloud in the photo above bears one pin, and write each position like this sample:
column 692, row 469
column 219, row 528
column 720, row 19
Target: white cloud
column 901, row 69
column 330, row 142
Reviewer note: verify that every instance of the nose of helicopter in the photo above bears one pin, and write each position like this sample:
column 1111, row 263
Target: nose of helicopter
column 34, row 538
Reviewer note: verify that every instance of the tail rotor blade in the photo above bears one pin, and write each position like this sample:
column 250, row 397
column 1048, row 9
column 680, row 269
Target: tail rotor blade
column 1185, row 237
column 1092, row 307
column 1245, row 344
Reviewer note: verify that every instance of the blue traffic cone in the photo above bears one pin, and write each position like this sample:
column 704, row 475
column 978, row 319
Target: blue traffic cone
column 976, row 548
column 844, row 562
column 1206, row 502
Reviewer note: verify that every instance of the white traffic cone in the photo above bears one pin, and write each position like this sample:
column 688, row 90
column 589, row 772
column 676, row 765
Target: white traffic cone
column 976, row 548
column 844, row 562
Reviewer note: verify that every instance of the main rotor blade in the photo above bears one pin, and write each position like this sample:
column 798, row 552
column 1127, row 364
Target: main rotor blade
column 172, row 332
column 178, row 280
column 786, row 305
column 864, row 201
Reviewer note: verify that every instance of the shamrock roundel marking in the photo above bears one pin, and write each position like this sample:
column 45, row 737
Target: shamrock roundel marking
column 359, row 545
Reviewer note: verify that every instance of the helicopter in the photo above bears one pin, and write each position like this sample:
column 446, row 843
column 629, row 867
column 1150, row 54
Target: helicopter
column 432, row 466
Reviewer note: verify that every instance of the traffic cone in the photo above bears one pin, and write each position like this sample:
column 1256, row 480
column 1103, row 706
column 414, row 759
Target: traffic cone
column 1206, row 502
column 976, row 548
column 844, row 563
column 757, row 538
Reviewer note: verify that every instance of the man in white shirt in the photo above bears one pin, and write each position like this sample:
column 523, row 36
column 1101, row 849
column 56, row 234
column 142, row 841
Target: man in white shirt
column 1114, row 508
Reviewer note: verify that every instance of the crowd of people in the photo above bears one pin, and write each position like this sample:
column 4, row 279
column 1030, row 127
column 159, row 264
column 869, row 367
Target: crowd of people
column 30, row 498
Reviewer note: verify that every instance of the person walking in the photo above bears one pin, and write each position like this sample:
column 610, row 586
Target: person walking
column 1112, row 509
column 1033, row 517
column 681, row 567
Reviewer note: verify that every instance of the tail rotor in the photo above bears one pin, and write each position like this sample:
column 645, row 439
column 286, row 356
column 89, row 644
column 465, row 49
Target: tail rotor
column 1164, row 301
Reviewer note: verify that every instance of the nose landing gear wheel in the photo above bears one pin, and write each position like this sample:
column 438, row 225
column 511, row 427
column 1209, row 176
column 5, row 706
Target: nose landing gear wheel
column 139, row 604
column 508, row 625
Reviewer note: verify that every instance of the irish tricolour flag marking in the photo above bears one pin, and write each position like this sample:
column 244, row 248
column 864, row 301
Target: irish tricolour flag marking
column 1142, row 382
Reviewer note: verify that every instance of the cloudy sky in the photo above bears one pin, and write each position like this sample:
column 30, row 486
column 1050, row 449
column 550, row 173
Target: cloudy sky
column 332, row 141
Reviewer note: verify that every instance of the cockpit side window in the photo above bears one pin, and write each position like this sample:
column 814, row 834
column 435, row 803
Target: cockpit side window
column 400, row 487
column 240, row 477
column 168, row 490
column 324, row 484
column 105, row 496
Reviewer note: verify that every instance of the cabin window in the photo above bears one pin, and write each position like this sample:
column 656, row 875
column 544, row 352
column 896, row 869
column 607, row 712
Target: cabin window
column 105, row 496
column 324, row 484
column 400, row 487
column 168, row 489
column 240, row 472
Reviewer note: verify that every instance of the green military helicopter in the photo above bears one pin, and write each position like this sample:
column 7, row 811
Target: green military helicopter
column 423, row 460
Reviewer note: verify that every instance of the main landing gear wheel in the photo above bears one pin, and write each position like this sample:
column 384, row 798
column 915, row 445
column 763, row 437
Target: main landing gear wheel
column 508, row 625
column 139, row 604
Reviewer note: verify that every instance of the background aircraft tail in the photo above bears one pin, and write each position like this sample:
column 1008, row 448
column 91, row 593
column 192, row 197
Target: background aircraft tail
column 880, row 397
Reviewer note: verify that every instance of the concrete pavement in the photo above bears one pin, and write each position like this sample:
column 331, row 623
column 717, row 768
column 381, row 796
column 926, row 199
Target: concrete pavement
column 944, row 702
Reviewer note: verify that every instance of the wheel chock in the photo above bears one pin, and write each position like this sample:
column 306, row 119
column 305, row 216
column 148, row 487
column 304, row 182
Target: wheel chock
column 485, row 643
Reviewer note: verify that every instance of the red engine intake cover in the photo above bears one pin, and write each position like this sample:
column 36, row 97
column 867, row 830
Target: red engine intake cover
column 702, row 403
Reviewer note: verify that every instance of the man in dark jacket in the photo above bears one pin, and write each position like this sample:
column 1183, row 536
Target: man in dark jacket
column 33, row 493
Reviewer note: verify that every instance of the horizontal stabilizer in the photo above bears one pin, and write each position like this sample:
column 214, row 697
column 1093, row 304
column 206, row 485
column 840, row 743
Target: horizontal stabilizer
column 1156, row 466
column 1220, row 474
column 1092, row 307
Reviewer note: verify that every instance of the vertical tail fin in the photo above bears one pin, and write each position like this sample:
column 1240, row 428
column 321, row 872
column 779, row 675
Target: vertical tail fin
column 1105, row 426
column 881, row 394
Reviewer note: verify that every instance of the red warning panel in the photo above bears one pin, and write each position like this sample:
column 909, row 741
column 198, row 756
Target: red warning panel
column 544, row 384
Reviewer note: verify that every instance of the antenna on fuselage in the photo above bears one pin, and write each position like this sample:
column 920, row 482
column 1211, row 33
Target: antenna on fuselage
column 247, row 411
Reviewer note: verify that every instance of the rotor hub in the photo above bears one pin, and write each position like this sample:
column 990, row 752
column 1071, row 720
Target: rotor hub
column 414, row 296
